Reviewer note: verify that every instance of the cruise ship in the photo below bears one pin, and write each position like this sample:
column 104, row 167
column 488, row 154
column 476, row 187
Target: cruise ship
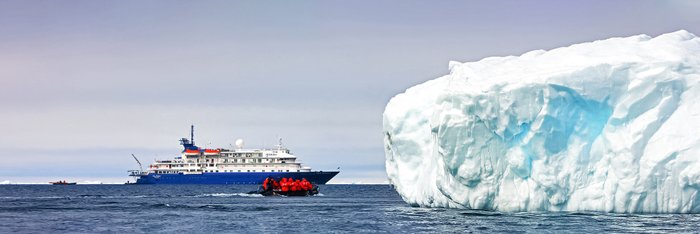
column 227, row 166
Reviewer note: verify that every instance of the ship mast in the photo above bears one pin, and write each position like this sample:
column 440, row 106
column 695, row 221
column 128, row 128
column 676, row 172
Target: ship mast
column 192, row 133
column 279, row 145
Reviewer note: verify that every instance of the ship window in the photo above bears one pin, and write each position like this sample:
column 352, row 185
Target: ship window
column 239, row 170
column 287, row 170
column 248, row 170
column 297, row 170
column 217, row 170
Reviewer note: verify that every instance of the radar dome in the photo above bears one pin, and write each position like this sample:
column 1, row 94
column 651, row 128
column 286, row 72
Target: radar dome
column 239, row 144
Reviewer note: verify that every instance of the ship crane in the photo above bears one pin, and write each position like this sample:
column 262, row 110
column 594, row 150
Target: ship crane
column 137, row 161
column 140, row 171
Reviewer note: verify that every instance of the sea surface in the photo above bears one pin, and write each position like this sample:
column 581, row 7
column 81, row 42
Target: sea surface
column 229, row 209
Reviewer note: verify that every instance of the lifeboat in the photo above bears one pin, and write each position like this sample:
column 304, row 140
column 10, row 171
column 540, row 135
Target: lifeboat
column 274, row 190
column 190, row 152
column 211, row 152
column 277, row 192
column 63, row 182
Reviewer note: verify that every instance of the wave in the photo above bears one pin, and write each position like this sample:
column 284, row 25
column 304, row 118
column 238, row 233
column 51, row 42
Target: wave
column 109, row 197
column 99, row 196
column 228, row 195
column 49, row 197
column 74, row 197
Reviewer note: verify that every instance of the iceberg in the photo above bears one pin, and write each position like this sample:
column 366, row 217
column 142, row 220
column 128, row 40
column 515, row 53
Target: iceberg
column 605, row 126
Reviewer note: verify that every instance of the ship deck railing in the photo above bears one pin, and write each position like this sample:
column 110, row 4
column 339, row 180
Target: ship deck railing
column 137, row 173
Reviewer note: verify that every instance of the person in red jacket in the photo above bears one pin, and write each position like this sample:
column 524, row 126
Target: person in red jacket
column 294, row 186
column 302, row 186
column 267, row 180
column 306, row 185
column 284, row 185
column 275, row 185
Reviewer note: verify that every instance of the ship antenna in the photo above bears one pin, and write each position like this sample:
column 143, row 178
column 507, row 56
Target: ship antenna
column 137, row 161
column 192, row 134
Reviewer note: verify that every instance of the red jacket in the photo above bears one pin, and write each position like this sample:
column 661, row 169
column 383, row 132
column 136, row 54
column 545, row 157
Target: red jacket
column 305, row 185
column 294, row 186
column 267, row 180
column 285, row 185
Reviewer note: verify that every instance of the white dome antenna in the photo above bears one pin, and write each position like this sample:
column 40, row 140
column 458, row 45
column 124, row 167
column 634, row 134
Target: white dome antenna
column 239, row 143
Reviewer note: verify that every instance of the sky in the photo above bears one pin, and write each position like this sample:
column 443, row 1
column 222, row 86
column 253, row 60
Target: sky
column 83, row 84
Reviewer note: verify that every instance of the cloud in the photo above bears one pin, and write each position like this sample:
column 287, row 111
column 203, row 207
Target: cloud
column 159, row 127
column 84, row 84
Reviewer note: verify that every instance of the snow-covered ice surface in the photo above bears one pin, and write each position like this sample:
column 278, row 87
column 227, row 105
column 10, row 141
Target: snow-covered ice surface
column 611, row 125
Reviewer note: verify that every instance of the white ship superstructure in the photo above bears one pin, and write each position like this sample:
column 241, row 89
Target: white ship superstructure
column 230, row 160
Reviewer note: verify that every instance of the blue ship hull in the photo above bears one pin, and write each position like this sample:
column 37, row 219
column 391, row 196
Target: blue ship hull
column 316, row 177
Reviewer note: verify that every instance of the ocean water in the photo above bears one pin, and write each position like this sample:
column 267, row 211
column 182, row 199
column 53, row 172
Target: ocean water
column 228, row 209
